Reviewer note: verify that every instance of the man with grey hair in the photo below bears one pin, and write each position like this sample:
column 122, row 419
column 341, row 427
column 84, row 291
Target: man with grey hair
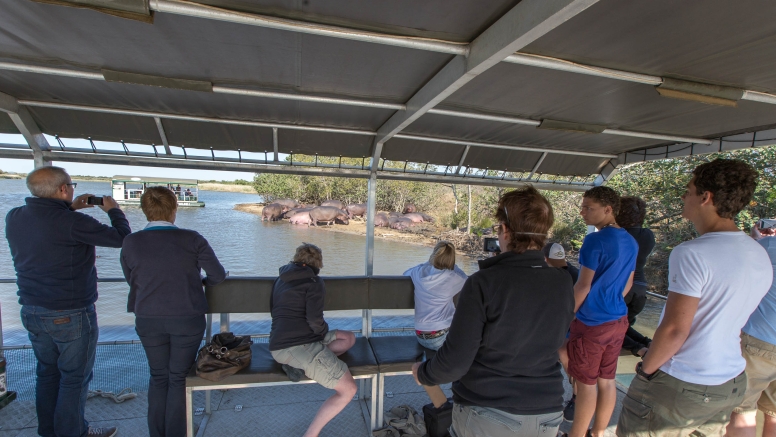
column 52, row 247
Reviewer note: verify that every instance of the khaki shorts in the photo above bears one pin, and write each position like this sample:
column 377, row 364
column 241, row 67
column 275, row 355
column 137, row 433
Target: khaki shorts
column 318, row 361
column 761, row 376
column 665, row 406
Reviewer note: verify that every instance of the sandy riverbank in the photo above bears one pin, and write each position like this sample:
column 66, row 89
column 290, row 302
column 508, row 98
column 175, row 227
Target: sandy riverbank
column 423, row 234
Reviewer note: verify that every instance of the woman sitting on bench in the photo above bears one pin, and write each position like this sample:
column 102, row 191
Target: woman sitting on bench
column 436, row 283
column 501, row 352
column 300, row 339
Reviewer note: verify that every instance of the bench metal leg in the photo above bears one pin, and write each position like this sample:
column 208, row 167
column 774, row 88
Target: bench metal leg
column 189, row 412
column 380, row 399
column 207, row 402
column 374, row 396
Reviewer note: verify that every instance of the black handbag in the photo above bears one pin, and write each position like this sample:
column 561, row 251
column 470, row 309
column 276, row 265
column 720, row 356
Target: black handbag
column 438, row 420
column 225, row 355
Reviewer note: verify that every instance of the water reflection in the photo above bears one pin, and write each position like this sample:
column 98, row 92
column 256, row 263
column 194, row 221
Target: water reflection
column 244, row 244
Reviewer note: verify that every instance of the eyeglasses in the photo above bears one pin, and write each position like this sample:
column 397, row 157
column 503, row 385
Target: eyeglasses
column 73, row 184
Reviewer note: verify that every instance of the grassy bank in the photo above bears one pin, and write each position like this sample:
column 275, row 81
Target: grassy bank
column 230, row 188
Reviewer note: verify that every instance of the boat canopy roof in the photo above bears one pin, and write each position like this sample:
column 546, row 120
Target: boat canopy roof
column 572, row 88
column 154, row 180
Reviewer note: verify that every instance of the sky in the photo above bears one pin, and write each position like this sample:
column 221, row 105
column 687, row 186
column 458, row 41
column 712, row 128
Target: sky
column 84, row 169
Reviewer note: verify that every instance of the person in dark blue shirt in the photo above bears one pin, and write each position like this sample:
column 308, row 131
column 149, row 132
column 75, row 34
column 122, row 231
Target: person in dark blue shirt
column 52, row 247
column 631, row 216
column 162, row 265
column 607, row 259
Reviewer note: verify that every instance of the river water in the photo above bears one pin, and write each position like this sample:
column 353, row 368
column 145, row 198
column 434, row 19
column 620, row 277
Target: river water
column 245, row 245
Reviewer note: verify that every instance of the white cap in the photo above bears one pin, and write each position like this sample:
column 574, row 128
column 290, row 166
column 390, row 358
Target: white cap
column 554, row 251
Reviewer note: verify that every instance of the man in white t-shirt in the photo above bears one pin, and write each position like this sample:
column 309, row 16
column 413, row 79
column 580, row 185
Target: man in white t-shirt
column 693, row 375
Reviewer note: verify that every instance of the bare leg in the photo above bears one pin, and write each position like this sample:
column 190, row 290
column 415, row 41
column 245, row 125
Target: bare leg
column 345, row 390
column 436, row 395
column 745, row 424
column 345, row 340
column 585, row 408
column 607, row 397
column 769, row 427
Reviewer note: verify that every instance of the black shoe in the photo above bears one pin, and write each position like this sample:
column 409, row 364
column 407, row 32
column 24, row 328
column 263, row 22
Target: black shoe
column 568, row 412
column 293, row 373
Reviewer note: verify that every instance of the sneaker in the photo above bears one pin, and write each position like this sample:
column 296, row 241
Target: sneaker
column 293, row 373
column 568, row 412
column 102, row 432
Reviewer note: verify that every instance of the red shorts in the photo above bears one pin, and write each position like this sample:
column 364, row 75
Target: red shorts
column 593, row 350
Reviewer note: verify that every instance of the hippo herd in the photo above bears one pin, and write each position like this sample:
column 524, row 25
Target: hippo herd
column 335, row 211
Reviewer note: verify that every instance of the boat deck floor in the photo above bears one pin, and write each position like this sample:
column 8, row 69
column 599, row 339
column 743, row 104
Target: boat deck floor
column 255, row 412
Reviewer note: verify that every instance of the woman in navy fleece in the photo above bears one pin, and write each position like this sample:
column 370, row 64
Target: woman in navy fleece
column 162, row 265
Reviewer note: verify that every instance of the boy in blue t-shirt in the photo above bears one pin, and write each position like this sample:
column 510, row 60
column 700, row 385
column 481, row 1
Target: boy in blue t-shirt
column 607, row 260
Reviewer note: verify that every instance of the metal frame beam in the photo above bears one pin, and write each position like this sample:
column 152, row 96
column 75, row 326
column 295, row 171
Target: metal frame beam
column 371, row 104
column 163, row 135
column 522, row 25
column 10, row 151
column 377, row 150
column 26, row 125
column 212, row 13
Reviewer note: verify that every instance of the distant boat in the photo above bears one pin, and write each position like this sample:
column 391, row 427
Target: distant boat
column 128, row 189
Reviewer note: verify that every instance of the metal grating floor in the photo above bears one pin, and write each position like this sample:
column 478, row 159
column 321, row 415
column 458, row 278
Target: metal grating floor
column 266, row 411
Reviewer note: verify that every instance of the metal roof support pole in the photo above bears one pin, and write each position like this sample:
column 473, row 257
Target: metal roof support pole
column 538, row 163
column 463, row 158
column 275, row 143
column 163, row 135
column 522, row 25
column 24, row 122
column 371, row 209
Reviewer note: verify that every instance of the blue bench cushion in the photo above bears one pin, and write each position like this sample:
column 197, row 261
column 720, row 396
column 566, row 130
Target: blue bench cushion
column 396, row 353
column 263, row 368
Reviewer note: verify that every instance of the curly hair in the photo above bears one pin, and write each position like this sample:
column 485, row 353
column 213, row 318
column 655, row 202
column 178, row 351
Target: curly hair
column 731, row 182
column 605, row 196
column 158, row 203
column 309, row 254
column 633, row 210
column 528, row 218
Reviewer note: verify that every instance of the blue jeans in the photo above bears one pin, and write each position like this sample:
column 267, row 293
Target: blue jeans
column 171, row 346
column 433, row 343
column 65, row 344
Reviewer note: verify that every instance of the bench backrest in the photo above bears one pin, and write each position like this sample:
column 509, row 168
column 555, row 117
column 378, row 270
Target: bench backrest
column 252, row 294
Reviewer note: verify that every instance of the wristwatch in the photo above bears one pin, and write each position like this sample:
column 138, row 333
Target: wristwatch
column 648, row 376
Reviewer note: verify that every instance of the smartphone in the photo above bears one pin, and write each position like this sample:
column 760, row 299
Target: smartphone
column 766, row 223
column 491, row 245
column 94, row 200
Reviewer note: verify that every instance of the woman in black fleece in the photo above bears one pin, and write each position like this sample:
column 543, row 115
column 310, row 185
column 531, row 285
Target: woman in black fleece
column 501, row 352
column 162, row 265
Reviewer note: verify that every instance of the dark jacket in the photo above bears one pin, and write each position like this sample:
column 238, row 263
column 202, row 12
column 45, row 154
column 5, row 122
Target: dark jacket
column 296, row 305
column 646, row 241
column 162, row 267
column 502, row 347
column 52, row 248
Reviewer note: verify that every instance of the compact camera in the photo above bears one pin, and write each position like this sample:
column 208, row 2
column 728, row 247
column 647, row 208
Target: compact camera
column 766, row 223
column 491, row 245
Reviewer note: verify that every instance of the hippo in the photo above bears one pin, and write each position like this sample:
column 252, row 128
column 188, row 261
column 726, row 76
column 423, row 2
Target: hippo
column 426, row 217
column 290, row 203
column 400, row 223
column 291, row 212
column 335, row 203
column 394, row 214
column 356, row 209
column 300, row 218
column 381, row 220
column 273, row 212
column 414, row 217
column 409, row 208
column 327, row 214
